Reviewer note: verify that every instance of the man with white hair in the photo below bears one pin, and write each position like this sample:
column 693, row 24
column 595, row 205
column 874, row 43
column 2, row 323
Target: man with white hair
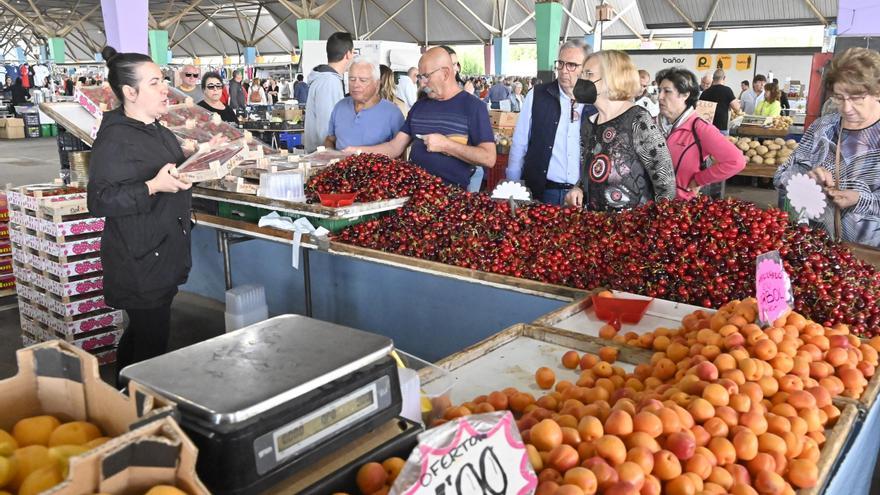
column 546, row 147
column 363, row 118
column 407, row 90
column 190, row 83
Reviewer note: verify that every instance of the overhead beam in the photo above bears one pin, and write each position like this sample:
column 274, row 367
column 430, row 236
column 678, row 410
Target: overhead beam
column 516, row 27
column 618, row 14
column 388, row 19
column 581, row 24
column 37, row 12
column 256, row 22
column 568, row 20
column 632, row 29
column 492, row 29
column 816, row 12
column 221, row 28
column 238, row 15
column 464, row 24
column 711, row 15
column 164, row 23
column 354, row 21
column 17, row 13
column 405, row 30
column 280, row 23
column 681, row 14
column 323, row 9
column 284, row 48
column 79, row 22
column 189, row 31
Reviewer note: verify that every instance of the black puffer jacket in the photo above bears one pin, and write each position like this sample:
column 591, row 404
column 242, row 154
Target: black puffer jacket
column 145, row 247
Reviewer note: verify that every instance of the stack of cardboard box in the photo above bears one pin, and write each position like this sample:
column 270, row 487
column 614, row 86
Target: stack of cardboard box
column 11, row 129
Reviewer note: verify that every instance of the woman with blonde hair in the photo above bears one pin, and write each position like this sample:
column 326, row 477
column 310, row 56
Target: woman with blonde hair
column 841, row 150
column 625, row 159
column 771, row 105
column 387, row 89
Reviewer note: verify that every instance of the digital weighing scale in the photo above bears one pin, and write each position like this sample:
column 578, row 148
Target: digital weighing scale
column 264, row 402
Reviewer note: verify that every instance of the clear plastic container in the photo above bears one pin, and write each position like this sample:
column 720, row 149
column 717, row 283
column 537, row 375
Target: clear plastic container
column 245, row 305
column 436, row 386
column 245, row 298
column 286, row 186
column 235, row 321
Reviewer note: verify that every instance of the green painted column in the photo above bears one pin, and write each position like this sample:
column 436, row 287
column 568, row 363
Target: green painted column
column 307, row 30
column 159, row 46
column 548, row 22
column 56, row 50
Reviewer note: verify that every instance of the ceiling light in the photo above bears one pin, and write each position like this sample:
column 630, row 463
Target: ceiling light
column 210, row 23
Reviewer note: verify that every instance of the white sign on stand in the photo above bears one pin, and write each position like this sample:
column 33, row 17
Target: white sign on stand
column 480, row 454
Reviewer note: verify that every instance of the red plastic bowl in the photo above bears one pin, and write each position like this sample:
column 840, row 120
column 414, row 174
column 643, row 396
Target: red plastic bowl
column 617, row 310
column 337, row 200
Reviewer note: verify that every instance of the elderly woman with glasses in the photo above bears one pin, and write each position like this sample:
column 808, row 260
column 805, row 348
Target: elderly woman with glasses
column 841, row 150
column 212, row 87
column 625, row 159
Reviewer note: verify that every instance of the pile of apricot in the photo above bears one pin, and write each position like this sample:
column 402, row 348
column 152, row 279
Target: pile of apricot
column 35, row 456
column 723, row 406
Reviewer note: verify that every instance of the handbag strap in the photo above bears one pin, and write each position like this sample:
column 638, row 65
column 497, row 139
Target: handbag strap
column 837, row 221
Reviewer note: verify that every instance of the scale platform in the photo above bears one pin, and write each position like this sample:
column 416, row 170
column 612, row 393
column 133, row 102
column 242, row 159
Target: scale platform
column 263, row 402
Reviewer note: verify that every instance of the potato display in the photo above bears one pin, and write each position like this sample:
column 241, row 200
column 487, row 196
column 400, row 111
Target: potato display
column 766, row 152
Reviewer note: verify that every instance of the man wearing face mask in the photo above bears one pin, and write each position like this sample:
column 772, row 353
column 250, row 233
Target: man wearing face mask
column 546, row 149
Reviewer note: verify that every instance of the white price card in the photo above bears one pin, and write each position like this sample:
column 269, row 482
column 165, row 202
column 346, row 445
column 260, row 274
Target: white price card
column 481, row 454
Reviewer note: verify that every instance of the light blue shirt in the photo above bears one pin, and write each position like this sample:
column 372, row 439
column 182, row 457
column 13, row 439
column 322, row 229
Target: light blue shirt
column 565, row 160
column 371, row 126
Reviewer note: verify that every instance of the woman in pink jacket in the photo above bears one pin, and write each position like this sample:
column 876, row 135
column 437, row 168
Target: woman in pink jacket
column 691, row 140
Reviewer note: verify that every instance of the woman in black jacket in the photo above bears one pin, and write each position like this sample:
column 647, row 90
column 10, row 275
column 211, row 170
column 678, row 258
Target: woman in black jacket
column 145, row 246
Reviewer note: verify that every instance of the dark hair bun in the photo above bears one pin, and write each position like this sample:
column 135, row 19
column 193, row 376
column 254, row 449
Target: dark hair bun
column 108, row 53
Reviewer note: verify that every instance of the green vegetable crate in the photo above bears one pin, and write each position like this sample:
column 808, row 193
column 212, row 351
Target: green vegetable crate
column 253, row 214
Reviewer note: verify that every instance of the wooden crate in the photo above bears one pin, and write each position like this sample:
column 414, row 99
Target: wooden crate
column 509, row 359
column 580, row 317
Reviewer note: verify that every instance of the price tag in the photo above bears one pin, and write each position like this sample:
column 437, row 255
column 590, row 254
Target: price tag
column 481, row 454
column 773, row 288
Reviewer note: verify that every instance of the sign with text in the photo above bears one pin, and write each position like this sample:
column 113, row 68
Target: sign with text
column 480, row 454
column 743, row 61
column 723, row 62
column 704, row 62
column 706, row 110
column 772, row 287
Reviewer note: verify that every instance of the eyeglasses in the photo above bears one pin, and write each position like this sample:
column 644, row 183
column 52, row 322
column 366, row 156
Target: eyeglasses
column 190, row 74
column 575, row 116
column 854, row 99
column 569, row 66
column 213, row 86
column 429, row 74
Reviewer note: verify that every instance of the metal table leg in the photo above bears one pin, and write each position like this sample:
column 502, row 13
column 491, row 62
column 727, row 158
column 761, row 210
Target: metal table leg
column 307, row 281
column 227, row 268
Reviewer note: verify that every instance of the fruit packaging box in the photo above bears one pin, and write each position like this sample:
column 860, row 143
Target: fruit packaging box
column 4, row 231
column 65, row 307
column 212, row 163
column 5, row 266
column 60, row 379
column 71, row 326
column 158, row 453
column 94, row 341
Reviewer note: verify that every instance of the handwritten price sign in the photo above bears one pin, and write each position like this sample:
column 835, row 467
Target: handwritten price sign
column 773, row 288
column 477, row 455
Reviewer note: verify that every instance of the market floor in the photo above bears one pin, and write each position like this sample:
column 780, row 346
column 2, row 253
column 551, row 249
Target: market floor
column 193, row 319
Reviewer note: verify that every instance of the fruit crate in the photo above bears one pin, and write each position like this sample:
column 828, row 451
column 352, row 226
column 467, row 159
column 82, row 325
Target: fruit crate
column 71, row 326
column 509, row 358
column 252, row 213
column 100, row 342
column 580, row 317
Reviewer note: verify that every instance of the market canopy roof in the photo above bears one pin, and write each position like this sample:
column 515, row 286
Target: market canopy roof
column 220, row 27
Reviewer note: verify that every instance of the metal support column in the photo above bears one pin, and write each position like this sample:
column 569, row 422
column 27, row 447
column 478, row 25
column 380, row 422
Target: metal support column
column 307, row 281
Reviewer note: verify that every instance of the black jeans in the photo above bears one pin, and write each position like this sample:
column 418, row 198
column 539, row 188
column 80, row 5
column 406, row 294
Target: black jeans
column 146, row 336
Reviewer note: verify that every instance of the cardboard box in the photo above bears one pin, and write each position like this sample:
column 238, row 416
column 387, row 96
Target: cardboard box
column 59, row 379
column 288, row 114
column 503, row 119
column 212, row 163
column 12, row 133
column 11, row 123
column 159, row 453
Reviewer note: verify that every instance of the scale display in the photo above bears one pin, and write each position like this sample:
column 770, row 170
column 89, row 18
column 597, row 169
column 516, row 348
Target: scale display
column 301, row 435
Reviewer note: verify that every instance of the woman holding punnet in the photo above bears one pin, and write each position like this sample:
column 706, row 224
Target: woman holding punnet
column 145, row 246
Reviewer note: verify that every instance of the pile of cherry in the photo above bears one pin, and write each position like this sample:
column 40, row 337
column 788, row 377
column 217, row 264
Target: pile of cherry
column 699, row 252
